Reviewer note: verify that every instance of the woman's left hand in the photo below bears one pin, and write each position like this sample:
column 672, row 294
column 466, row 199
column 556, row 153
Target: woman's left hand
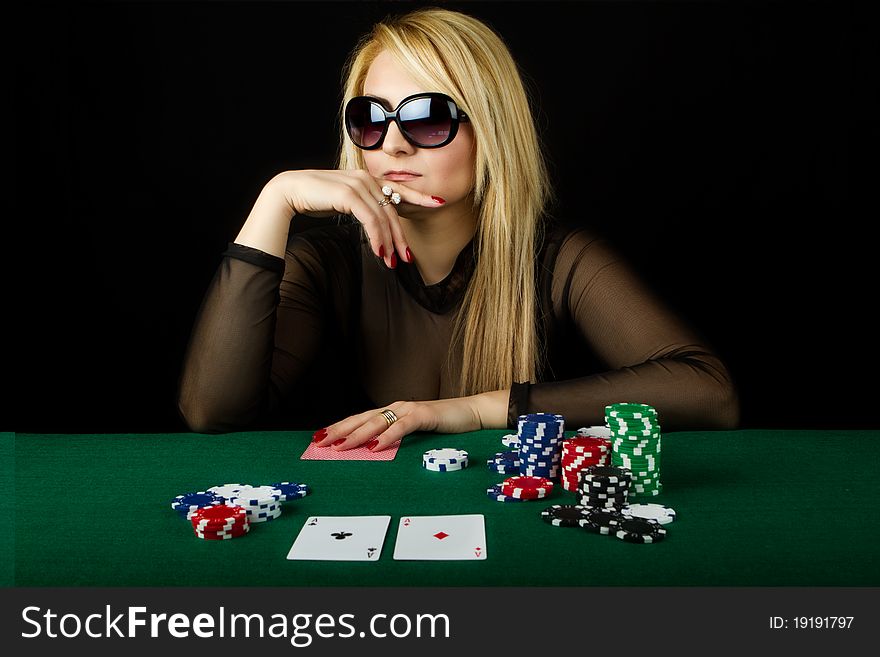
column 442, row 416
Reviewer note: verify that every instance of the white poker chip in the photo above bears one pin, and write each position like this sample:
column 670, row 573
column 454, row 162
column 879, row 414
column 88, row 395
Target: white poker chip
column 510, row 440
column 227, row 490
column 598, row 431
column 445, row 455
column 662, row 514
column 251, row 496
column 444, row 467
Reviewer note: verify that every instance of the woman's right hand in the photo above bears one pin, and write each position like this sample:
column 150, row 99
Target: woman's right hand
column 324, row 193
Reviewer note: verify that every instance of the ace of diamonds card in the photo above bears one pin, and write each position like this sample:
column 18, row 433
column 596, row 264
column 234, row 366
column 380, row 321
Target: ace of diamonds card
column 453, row 538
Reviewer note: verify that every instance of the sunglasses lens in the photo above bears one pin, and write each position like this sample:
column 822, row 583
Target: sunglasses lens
column 427, row 121
column 365, row 122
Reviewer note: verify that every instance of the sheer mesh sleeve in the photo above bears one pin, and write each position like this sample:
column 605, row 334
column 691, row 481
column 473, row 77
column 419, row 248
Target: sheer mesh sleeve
column 261, row 324
column 651, row 356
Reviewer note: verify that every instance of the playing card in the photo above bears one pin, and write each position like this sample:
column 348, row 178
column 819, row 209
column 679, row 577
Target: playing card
column 451, row 538
column 340, row 538
column 314, row 453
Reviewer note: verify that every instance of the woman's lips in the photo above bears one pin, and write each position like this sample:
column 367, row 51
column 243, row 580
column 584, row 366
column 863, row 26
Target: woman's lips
column 401, row 177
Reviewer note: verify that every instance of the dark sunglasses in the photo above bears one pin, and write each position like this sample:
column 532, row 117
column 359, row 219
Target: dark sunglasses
column 427, row 120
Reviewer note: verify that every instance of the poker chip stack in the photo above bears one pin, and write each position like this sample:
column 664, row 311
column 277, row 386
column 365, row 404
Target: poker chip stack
column 635, row 441
column 220, row 522
column 262, row 503
column 579, row 453
column 604, row 487
column 228, row 511
column 540, row 436
column 446, row 459
column 608, row 522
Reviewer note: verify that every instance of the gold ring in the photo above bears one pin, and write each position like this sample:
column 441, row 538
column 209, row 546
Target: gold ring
column 389, row 416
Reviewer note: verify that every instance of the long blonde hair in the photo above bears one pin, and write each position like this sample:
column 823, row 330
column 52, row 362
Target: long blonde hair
column 458, row 55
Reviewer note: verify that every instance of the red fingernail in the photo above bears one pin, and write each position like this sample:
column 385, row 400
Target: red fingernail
column 381, row 250
column 439, row 200
column 409, row 257
column 319, row 435
column 373, row 443
column 393, row 260
column 339, row 442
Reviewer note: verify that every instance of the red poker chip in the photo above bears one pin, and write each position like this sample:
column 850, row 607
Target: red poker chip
column 234, row 534
column 526, row 488
column 219, row 537
column 219, row 527
column 595, row 449
column 218, row 513
column 586, row 441
column 233, row 531
column 222, row 520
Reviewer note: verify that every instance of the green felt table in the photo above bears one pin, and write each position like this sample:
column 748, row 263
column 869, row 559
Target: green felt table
column 755, row 508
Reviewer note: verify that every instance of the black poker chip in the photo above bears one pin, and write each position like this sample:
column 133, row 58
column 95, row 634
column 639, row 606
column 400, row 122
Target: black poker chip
column 605, row 474
column 601, row 521
column 640, row 530
column 564, row 515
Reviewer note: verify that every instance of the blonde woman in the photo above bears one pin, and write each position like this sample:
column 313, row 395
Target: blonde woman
column 441, row 303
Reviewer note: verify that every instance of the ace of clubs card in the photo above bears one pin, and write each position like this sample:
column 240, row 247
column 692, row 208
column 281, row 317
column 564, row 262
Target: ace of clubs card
column 340, row 538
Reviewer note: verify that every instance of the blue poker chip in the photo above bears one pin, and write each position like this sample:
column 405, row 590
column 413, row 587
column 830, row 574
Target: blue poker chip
column 494, row 493
column 543, row 435
column 505, row 458
column 541, row 417
column 503, row 469
column 550, row 428
column 290, row 490
column 187, row 502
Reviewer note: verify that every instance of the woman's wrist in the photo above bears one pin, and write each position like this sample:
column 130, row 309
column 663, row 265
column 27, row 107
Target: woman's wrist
column 491, row 408
column 268, row 224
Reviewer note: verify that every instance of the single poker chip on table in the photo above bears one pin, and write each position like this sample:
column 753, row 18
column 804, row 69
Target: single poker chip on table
column 527, row 488
column 601, row 521
column 290, row 490
column 447, row 455
column 494, row 493
column 662, row 514
column 189, row 502
column 444, row 467
column 640, row 530
column 564, row 515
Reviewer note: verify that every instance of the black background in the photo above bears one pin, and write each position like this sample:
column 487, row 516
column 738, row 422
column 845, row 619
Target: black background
column 715, row 143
